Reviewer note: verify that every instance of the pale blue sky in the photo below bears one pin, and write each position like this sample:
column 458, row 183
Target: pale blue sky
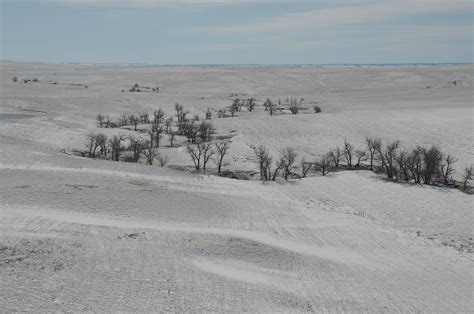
column 237, row 31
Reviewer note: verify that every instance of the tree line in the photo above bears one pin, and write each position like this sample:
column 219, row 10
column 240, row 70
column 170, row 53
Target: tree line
column 420, row 165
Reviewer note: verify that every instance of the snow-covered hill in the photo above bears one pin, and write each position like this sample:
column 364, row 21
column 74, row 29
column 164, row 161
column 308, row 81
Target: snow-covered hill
column 78, row 234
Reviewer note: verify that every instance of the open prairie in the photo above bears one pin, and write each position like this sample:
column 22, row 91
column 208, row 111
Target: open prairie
column 83, row 234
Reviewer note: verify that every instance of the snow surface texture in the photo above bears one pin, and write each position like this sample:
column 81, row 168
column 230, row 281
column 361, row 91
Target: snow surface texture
column 89, row 235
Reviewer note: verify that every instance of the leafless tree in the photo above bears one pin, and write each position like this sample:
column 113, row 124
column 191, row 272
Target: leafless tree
column 115, row 143
column 235, row 106
column 278, row 166
column 195, row 151
column 134, row 120
column 267, row 104
column 414, row 164
column 90, row 143
column 136, row 146
column 323, row 165
column 190, row 130
column 447, row 168
column 221, row 149
column 205, row 130
column 335, row 155
column 466, row 178
column 157, row 130
column 250, row 104
column 348, row 153
column 180, row 113
column 294, row 105
column 288, row 160
column 94, row 141
column 168, row 123
column 123, row 120
column 432, row 159
column 207, row 153
column 360, row 155
column 144, row 117
column 100, row 120
column 402, row 161
column 387, row 158
column 108, row 122
column 149, row 152
column 372, row 146
column 264, row 162
column 305, row 167
column 158, row 116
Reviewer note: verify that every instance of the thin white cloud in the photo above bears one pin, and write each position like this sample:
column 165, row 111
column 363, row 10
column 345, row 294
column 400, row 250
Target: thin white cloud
column 347, row 15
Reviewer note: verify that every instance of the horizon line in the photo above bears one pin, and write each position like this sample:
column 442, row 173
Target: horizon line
column 246, row 64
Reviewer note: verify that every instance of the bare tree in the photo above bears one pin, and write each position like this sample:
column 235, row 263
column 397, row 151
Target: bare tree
column 208, row 114
column 466, row 178
column 136, row 146
column 294, row 105
column 305, row 167
column 288, row 160
column 100, row 120
column 149, row 152
column 264, row 162
column 123, row 120
column 90, row 142
column 323, row 165
column 402, row 161
column 156, row 129
column 180, row 113
column 335, row 155
column 348, row 153
column 158, row 116
column 387, row 158
column 100, row 141
column 134, row 120
column 360, row 155
column 168, row 123
column 235, row 106
column 250, row 104
column 432, row 159
column 144, row 117
column 108, row 122
column 414, row 164
column 115, row 143
column 205, row 130
column 195, row 151
column 372, row 146
column 221, row 150
column 207, row 153
column 278, row 166
column 267, row 104
column 447, row 168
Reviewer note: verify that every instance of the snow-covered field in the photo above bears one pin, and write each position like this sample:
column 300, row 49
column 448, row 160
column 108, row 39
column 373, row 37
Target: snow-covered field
column 78, row 234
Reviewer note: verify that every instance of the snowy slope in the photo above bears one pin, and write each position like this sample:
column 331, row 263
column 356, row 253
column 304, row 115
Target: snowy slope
column 88, row 235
